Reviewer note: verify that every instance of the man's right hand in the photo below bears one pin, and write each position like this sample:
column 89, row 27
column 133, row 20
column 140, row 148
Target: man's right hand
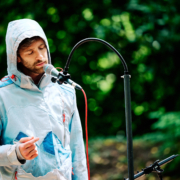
column 28, row 148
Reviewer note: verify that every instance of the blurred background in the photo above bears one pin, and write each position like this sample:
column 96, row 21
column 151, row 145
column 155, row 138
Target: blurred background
column 147, row 34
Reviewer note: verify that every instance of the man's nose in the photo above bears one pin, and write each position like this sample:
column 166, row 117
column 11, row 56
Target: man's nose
column 39, row 55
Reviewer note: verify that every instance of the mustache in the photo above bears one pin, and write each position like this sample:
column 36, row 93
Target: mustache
column 41, row 61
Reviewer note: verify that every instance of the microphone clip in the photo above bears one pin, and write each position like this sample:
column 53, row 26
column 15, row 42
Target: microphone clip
column 62, row 78
column 155, row 167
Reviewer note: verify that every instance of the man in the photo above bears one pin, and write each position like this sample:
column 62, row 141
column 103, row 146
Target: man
column 41, row 134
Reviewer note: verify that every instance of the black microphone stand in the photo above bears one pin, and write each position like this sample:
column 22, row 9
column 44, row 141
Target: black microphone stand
column 127, row 96
column 155, row 167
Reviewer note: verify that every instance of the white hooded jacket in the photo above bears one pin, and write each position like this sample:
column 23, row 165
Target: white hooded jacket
column 27, row 110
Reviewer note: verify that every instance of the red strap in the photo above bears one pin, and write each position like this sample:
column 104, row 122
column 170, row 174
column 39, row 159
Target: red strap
column 64, row 117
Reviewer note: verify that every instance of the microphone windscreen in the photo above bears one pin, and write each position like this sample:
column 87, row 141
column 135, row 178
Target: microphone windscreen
column 48, row 68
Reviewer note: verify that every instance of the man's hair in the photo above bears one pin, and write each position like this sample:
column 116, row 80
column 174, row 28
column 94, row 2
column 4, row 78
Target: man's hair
column 27, row 42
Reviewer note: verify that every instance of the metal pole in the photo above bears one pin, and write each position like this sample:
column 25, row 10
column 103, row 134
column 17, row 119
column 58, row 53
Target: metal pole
column 127, row 96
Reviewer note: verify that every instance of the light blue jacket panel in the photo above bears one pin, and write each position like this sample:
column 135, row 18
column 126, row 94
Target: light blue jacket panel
column 48, row 111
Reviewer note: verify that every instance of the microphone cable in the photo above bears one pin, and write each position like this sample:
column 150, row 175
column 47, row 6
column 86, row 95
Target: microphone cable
column 86, row 129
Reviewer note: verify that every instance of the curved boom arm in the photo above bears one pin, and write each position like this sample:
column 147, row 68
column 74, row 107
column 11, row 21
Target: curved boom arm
column 97, row 40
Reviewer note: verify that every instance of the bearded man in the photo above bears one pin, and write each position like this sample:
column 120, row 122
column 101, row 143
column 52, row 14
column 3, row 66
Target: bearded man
column 40, row 128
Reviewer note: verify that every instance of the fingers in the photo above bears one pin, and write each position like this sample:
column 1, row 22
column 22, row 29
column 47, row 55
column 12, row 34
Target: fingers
column 31, row 142
column 23, row 140
column 32, row 153
column 28, row 149
column 34, row 156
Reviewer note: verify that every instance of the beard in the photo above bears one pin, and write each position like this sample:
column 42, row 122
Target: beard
column 29, row 68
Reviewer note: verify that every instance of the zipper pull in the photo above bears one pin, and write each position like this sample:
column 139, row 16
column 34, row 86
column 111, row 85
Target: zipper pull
column 16, row 175
column 72, row 171
column 64, row 116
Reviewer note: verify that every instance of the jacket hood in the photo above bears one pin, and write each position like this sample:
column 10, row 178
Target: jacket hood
column 17, row 31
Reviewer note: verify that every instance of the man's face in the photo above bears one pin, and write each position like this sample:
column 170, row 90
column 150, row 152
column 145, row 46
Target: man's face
column 33, row 58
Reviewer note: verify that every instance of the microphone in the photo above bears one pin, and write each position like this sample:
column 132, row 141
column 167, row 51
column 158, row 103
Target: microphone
column 51, row 70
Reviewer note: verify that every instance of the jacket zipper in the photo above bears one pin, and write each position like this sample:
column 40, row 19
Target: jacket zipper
column 64, row 118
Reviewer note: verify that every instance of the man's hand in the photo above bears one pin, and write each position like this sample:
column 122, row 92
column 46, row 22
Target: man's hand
column 28, row 148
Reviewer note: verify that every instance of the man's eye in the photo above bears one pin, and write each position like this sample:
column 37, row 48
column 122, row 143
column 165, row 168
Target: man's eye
column 42, row 47
column 30, row 53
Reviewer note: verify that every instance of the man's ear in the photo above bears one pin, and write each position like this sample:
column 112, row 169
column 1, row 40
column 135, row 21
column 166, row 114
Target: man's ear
column 18, row 59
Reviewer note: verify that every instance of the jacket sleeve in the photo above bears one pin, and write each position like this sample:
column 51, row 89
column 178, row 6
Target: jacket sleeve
column 77, row 147
column 8, row 153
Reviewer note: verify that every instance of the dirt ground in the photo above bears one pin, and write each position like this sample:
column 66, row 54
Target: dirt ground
column 108, row 159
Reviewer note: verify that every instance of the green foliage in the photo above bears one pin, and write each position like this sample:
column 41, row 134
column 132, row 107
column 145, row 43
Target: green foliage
column 146, row 33
column 167, row 135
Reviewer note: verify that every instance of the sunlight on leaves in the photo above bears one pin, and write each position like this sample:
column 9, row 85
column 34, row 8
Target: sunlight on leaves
column 105, row 22
column 87, row 14
column 107, row 61
column 51, row 10
column 138, row 110
column 107, row 84
column 141, row 54
column 116, row 18
column 130, row 34
column 156, row 45
column 61, row 34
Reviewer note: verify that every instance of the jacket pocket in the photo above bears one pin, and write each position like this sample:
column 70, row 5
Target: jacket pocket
column 42, row 164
